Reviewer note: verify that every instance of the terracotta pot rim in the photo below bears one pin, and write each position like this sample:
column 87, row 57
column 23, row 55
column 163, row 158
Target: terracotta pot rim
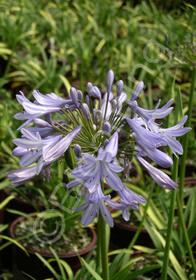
column 49, row 254
column 190, row 180
column 128, row 227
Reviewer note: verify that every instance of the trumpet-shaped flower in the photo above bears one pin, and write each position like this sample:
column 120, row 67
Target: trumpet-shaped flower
column 148, row 142
column 92, row 173
column 32, row 148
column 95, row 203
column 168, row 133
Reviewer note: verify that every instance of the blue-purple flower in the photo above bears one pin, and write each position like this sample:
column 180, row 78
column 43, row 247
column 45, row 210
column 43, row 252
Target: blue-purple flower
column 97, row 123
column 92, row 173
column 31, row 148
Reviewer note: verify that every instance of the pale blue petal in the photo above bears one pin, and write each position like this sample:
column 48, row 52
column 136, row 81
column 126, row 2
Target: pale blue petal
column 106, row 213
column 61, row 146
column 19, row 152
column 18, row 177
column 157, row 175
column 39, row 110
column 89, row 215
column 84, row 171
column 29, row 158
column 115, row 167
column 111, row 178
column 88, row 157
column 74, row 183
column 112, row 146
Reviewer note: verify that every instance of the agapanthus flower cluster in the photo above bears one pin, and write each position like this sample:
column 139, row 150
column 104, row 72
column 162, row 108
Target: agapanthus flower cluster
column 92, row 125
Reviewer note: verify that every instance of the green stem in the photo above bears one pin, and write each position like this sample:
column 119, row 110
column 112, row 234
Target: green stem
column 170, row 223
column 185, row 142
column 104, row 247
column 98, row 255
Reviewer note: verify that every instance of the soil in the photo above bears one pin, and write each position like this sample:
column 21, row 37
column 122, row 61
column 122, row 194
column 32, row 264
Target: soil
column 70, row 241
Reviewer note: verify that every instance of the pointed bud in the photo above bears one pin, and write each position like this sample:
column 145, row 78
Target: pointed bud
column 96, row 92
column 85, row 110
column 110, row 79
column 89, row 88
column 74, row 95
column 77, row 150
column 80, row 95
column 119, row 87
column 139, row 87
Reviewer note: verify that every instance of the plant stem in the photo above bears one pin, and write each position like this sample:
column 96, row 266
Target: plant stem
column 98, row 255
column 170, row 223
column 104, row 247
column 185, row 140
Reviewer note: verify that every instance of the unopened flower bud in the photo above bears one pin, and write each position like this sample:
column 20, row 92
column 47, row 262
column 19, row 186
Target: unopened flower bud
column 80, row 95
column 139, row 87
column 96, row 92
column 110, row 79
column 85, row 110
column 77, row 150
column 74, row 95
column 89, row 88
column 107, row 128
column 119, row 87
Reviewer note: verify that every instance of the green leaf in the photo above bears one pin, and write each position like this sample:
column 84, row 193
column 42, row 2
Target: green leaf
column 48, row 266
column 179, row 107
column 142, row 271
column 65, row 82
column 178, row 268
column 51, row 214
column 68, row 269
column 3, row 227
column 58, row 262
column 122, row 274
column 90, row 269
column 6, row 201
column 100, row 46
column 4, row 184
column 10, row 242
column 19, row 213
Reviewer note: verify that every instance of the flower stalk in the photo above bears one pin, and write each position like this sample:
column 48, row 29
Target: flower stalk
column 102, row 231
